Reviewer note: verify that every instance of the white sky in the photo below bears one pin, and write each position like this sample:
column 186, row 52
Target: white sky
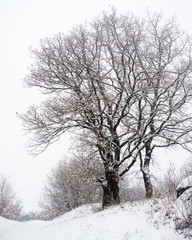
column 22, row 24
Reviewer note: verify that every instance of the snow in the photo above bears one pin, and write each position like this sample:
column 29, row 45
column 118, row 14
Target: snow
column 184, row 197
column 184, row 205
column 104, row 183
column 147, row 219
column 186, row 182
column 145, row 169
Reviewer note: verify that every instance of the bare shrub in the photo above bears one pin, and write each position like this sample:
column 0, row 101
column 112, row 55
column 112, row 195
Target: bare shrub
column 10, row 207
column 131, row 189
column 71, row 184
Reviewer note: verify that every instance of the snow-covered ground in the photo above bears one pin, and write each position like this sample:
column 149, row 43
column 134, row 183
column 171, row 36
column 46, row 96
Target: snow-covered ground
column 146, row 220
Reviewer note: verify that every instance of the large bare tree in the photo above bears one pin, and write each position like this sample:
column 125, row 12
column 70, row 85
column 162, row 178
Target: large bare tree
column 120, row 81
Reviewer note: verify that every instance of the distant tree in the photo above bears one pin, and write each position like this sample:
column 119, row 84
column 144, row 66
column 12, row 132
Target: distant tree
column 10, row 206
column 123, row 83
column 29, row 217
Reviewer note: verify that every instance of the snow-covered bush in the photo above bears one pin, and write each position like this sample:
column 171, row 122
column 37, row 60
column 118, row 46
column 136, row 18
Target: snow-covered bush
column 184, row 204
column 185, row 184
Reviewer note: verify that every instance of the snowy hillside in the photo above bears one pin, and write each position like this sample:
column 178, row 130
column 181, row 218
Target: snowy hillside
column 148, row 219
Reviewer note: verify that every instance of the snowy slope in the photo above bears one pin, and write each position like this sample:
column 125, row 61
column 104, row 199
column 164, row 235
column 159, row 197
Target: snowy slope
column 146, row 220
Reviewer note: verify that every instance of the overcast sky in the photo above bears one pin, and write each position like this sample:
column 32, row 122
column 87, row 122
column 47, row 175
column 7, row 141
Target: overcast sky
column 22, row 24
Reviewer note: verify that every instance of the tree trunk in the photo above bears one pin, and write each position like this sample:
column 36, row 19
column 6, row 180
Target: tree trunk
column 147, row 183
column 145, row 171
column 110, row 189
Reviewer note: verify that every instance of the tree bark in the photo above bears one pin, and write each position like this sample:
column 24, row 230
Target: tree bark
column 148, row 184
column 145, row 171
column 110, row 189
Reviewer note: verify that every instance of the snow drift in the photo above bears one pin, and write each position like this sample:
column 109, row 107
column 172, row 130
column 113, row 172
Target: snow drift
column 148, row 219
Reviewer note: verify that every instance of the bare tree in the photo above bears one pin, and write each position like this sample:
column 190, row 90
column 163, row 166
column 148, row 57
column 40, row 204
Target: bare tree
column 91, row 77
column 71, row 184
column 122, row 82
column 10, row 207
column 164, row 106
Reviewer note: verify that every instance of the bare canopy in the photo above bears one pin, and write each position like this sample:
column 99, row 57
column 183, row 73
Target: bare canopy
column 122, row 81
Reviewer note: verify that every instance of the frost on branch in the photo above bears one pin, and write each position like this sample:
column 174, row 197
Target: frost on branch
column 145, row 169
column 104, row 183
